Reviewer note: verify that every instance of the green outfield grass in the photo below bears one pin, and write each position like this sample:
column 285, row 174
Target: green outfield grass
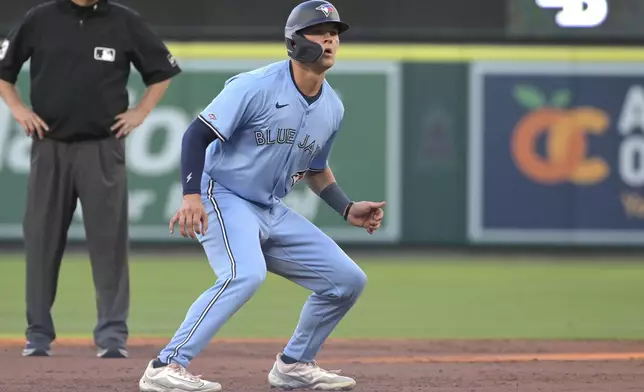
column 405, row 298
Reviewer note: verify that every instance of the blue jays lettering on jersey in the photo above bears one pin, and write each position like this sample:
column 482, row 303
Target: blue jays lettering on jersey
column 269, row 135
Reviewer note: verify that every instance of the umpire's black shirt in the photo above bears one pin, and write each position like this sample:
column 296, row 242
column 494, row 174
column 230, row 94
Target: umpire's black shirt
column 80, row 60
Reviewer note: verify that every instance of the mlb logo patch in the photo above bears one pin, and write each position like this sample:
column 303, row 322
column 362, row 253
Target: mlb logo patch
column 4, row 48
column 104, row 54
column 172, row 60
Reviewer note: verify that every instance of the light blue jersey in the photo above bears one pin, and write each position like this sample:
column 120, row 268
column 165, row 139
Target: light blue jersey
column 269, row 134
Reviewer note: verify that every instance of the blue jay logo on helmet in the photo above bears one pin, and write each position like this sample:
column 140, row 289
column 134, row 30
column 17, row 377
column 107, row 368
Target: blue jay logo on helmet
column 327, row 9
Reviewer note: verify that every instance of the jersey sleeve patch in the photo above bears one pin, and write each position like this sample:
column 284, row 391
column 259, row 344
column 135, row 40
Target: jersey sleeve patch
column 210, row 126
column 236, row 105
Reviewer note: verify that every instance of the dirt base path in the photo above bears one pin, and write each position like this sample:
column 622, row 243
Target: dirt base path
column 400, row 366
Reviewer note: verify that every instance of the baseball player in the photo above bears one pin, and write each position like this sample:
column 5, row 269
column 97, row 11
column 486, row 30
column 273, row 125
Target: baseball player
column 268, row 129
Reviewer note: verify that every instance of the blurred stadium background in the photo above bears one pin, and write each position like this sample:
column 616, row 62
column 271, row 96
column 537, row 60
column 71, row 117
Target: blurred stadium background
column 508, row 148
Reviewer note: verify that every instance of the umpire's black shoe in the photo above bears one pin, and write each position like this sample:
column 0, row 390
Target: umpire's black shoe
column 36, row 349
column 112, row 350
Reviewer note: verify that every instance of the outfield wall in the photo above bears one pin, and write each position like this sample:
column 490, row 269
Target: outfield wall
column 467, row 144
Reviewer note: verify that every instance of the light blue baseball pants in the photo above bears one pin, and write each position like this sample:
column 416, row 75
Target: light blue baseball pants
column 244, row 241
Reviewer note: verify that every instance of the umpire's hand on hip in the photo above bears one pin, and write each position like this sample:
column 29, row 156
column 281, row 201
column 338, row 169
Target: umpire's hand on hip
column 126, row 122
column 29, row 121
column 192, row 217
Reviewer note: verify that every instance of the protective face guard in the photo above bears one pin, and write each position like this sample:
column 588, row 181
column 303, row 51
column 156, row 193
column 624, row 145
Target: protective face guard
column 301, row 49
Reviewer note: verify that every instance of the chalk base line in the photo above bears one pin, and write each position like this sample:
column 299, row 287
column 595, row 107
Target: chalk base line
column 491, row 358
column 436, row 358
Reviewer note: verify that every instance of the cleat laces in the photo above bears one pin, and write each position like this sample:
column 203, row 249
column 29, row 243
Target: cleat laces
column 316, row 366
column 183, row 373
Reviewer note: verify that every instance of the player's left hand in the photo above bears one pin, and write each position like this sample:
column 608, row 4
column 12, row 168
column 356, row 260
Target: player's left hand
column 367, row 214
column 126, row 122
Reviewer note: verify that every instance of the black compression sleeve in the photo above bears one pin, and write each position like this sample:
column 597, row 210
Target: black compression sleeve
column 193, row 155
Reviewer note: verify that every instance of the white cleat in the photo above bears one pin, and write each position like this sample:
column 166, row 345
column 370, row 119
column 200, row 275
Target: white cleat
column 307, row 376
column 174, row 378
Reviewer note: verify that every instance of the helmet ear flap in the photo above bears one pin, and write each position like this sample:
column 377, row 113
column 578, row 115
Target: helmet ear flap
column 290, row 46
column 301, row 49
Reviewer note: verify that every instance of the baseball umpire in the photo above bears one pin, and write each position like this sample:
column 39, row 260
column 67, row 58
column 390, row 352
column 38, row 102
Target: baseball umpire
column 80, row 53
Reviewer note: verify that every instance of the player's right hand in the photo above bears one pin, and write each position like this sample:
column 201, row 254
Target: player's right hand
column 30, row 122
column 192, row 217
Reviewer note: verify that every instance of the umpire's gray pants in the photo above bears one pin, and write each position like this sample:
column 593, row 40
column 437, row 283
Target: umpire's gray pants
column 61, row 173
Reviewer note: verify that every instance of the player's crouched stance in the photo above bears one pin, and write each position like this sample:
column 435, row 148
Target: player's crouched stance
column 275, row 126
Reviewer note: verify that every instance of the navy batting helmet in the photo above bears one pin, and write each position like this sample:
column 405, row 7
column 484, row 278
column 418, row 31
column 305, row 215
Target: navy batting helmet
column 307, row 14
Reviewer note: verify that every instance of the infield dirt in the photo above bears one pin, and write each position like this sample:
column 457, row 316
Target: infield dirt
column 392, row 365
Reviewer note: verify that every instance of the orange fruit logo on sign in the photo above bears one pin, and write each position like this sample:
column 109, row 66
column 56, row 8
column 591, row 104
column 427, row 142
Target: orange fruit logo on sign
column 566, row 132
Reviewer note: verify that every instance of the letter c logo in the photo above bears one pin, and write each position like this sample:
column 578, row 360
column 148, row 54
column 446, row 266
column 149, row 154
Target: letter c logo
column 566, row 146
